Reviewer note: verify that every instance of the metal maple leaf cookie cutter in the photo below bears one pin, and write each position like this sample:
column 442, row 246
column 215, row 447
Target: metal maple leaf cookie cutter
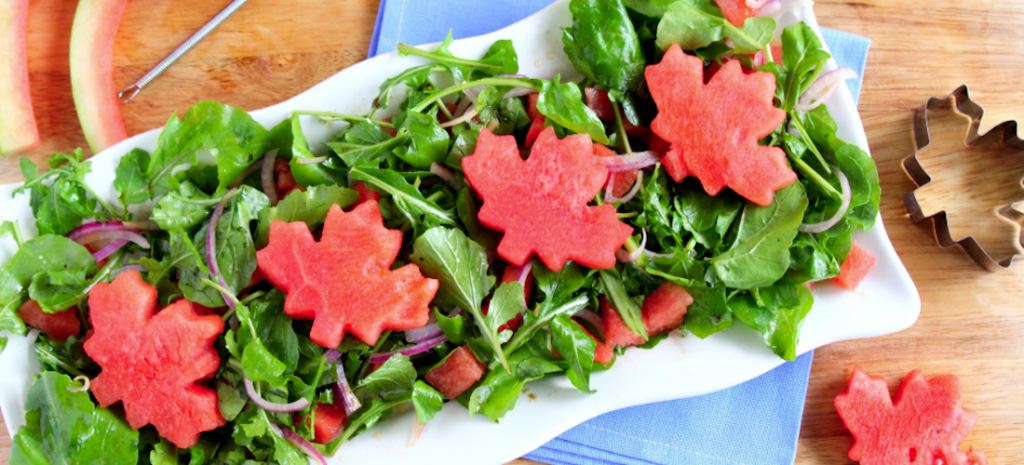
column 1007, row 133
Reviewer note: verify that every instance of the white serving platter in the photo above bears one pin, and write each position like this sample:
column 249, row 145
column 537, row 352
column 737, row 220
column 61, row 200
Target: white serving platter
column 885, row 302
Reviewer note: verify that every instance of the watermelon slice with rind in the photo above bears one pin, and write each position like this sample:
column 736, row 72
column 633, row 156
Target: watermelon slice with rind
column 18, row 131
column 92, row 71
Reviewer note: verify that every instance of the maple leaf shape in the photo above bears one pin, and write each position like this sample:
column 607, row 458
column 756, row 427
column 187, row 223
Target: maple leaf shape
column 344, row 282
column 541, row 203
column 714, row 128
column 152, row 360
column 924, row 426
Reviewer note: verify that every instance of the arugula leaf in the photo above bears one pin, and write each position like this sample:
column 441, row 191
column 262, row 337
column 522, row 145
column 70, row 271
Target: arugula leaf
column 290, row 142
column 563, row 103
column 428, row 142
column 42, row 255
column 236, row 251
column 50, row 288
column 804, row 60
column 406, row 196
column 532, row 323
column 414, row 77
column 709, row 313
column 183, row 209
column 426, row 400
column 657, row 216
column 64, row 427
column 60, row 206
column 464, row 146
column 496, row 395
column 274, row 328
column 577, row 347
column 558, row 287
column 394, row 378
column 707, row 218
column 191, row 267
column 651, row 8
column 163, row 453
column 257, row 362
column 603, row 45
column 467, row 207
column 454, row 328
column 760, row 254
column 366, row 143
column 500, row 58
column 231, row 396
column 310, row 207
column 777, row 312
column 506, row 303
column 628, row 309
column 461, row 267
column 131, row 179
column 697, row 23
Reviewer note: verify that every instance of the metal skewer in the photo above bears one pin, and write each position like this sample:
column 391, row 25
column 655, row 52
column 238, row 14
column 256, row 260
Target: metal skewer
column 131, row 91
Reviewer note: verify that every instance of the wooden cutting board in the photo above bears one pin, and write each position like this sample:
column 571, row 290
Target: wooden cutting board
column 972, row 322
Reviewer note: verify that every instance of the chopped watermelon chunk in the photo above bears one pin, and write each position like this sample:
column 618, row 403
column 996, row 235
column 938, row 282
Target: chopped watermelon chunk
column 598, row 101
column 623, row 181
column 531, row 106
column 603, row 353
column 152, row 361
column 736, row 11
column 855, row 268
column 511, row 274
column 665, row 308
column 92, row 71
column 535, row 129
column 714, row 128
column 327, row 419
column 58, row 326
column 457, row 373
column 392, row 131
column 365, row 194
column 344, row 282
column 923, row 426
column 616, row 333
column 541, row 203
column 18, row 130
column 283, row 172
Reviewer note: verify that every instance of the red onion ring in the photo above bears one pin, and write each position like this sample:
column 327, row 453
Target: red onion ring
column 813, row 228
column 348, row 397
column 524, row 273
column 409, row 351
column 756, row 4
column 109, row 249
column 593, row 318
column 823, row 88
column 430, row 331
column 125, row 234
column 760, row 59
column 272, row 406
column 267, row 176
column 626, row 257
column 299, row 442
column 211, row 247
column 628, row 162
column 609, row 197
column 445, row 173
column 110, row 226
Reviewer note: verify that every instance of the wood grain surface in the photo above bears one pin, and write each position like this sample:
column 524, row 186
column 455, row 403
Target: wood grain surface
column 972, row 322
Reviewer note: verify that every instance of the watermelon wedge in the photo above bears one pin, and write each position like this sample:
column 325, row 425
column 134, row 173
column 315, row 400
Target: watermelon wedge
column 855, row 268
column 18, row 130
column 457, row 373
column 92, row 72
column 665, row 309
column 58, row 326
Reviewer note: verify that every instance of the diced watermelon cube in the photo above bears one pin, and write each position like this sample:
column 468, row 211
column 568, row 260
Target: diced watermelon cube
column 623, row 181
column 458, row 372
column 58, row 326
column 327, row 419
column 615, row 331
column 603, row 353
column 665, row 308
column 531, row 106
column 598, row 101
column 535, row 129
column 392, row 131
column 855, row 268
column 283, row 172
column 365, row 194
column 736, row 11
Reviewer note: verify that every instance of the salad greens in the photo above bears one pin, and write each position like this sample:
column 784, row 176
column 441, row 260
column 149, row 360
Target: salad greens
column 740, row 262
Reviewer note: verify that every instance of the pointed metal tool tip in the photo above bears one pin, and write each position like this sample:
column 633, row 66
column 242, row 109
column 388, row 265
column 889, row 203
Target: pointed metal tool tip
column 129, row 93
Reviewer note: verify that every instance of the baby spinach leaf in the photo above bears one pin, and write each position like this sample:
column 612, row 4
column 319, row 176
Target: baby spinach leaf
column 707, row 218
column 367, row 144
column 274, row 328
column 657, row 216
column 759, row 256
column 231, row 396
column 44, row 254
column 426, row 400
column 563, row 103
column 777, row 312
column 394, row 378
column 191, row 267
column 310, row 207
column 858, row 167
column 506, row 303
column 500, row 58
column 467, row 207
column 577, row 347
column 810, row 260
column 496, row 394
column 464, row 146
column 236, row 251
column 697, row 23
column 651, row 8
column 290, row 142
column 709, row 313
column 131, row 179
column 50, row 288
column 428, row 142
column 183, row 209
column 559, row 287
column 454, row 328
column 628, row 309
column 257, row 361
column 603, row 45
column 64, row 427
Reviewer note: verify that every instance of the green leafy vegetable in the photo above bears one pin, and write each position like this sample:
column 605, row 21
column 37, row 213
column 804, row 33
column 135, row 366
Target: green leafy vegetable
column 563, row 103
column 577, row 347
column 310, row 207
column 603, row 45
column 626, row 306
column 44, row 255
column 694, row 24
column 394, row 378
column 426, row 400
column 777, row 312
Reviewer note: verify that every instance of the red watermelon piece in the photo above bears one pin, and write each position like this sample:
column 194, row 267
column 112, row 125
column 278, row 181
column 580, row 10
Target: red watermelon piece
column 390, row 130
column 283, row 172
column 18, row 130
column 623, row 181
column 598, row 101
column 327, row 419
column 344, row 282
column 616, row 333
column 511, row 274
column 714, row 128
column 665, row 308
column 736, row 11
column 457, row 373
column 153, row 360
column 92, row 71
column 535, row 129
column 541, row 203
column 924, row 425
column 603, row 353
column 58, row 326
column 531, row 106
column 365, row 194
column 855, row 268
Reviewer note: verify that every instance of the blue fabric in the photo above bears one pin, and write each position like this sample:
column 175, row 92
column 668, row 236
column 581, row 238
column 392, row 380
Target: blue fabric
column 757, row 422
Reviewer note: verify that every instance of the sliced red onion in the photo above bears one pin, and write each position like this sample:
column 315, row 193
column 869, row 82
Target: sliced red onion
column 466, row 116
column 95, row 227
column 430, row 331
column 460, row 109
column 776, row 8
column 445, row 173
column 609, row 197
column 524, row 273
column 299, row 442
column 409, row 351
column 211, row 248
column 267, row 177
column 311, row 161
column 756, row 4
column 845, row 205
column 109, row 249
column 455, row 312
column 823, row 88
column 629, row 162
column 760, row 59
column 272, row 406
column 113, row 235
column 345, row 391
column 659, row 255
column 332, row 355
column 792, row 130
column 729, row 43
column 593, row 318
column 626, row 257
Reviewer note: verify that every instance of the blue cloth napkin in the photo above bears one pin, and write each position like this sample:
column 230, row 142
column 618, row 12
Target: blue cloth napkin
column 757, row 422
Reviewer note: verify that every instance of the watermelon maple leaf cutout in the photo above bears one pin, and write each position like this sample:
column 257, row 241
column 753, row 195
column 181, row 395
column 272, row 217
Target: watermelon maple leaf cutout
column 541, row 203
column 344, row 282
column 714, row 127
column 923, row 426
column 152, row 360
